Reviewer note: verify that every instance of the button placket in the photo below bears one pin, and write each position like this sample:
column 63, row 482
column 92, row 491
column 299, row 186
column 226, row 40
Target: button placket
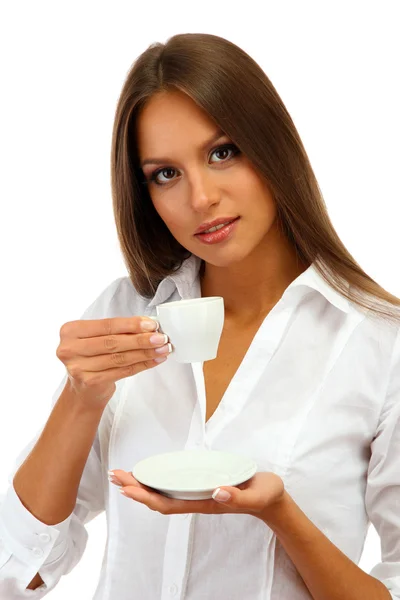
column 173, row 589
column 176, row 555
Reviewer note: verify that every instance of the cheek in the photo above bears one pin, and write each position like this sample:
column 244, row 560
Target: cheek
column 256, row 200
column 263, row 195
column 249, row 184
column 172, row 217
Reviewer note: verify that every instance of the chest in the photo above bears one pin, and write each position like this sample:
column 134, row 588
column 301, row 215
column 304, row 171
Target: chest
column 219, row 372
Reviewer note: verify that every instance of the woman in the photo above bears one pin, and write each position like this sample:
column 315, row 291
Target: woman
column 305, row 382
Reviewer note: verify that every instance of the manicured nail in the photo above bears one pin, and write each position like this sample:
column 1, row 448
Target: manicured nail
column 149, row 325
column 221, row 495
column 164, row 349
column 159, row 338
column 121, row 491
column 114, row 480
column 161, row 359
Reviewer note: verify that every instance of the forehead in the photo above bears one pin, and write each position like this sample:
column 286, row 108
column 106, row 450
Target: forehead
column 168, row 120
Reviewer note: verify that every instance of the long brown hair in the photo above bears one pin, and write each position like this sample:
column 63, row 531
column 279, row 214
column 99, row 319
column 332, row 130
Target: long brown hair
column 236, row 93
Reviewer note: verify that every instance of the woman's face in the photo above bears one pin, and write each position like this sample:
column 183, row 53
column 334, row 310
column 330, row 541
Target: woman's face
column 192, row 180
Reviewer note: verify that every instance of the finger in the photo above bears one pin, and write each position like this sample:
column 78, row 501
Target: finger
column 99, row 378
column 155, row 501
column 247, row 500
column 168, row 506
column 122, row 360
column 120, row 343
column 137, row 494
column 99, row 327
column 124, row 477
column 121, row 476
column 263, row 489
column 106, row 345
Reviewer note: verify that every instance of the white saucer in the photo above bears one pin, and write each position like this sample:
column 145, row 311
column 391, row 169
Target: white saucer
column 193, row 474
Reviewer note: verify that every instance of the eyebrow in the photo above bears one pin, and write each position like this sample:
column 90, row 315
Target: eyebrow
column 159, row 161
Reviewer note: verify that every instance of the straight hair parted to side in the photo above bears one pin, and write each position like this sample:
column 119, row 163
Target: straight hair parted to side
column 232, row 88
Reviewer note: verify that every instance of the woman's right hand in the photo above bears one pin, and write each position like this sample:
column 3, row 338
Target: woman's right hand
column 97, row 353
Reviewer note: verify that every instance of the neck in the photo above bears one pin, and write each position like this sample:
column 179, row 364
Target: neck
column 251, row 287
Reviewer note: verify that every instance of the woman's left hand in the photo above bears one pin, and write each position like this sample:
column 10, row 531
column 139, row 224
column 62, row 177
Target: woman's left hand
column 253, row 497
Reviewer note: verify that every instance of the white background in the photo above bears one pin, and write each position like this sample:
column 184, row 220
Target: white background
column 336, row 67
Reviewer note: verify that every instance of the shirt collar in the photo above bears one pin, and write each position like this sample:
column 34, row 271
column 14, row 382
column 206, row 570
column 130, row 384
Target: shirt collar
column 182, row 280
column 311, row 278
column 185, row 279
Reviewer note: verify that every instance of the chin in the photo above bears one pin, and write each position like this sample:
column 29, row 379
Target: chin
column 230, row 258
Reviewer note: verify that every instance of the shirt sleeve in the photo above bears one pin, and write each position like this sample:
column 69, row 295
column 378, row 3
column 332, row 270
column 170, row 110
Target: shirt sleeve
column 28, row 546
column 383, row 484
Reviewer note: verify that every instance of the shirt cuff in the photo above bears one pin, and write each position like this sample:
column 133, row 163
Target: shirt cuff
column 30, row 540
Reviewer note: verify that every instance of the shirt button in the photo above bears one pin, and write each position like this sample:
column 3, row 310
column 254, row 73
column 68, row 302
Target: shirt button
column 173, row 589
column 37, row 552
column 44, row 537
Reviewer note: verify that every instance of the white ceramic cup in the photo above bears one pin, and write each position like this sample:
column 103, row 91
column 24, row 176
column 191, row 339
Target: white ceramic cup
column 193, row 327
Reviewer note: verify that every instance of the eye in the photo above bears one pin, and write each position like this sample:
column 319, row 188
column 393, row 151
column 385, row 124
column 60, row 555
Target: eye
column 226, row 148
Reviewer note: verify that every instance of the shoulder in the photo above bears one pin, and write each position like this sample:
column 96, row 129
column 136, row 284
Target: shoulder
column 381, row 337
column 381, row 320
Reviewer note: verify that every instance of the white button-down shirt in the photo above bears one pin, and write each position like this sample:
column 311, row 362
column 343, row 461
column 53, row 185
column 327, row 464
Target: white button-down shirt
column 316, row 400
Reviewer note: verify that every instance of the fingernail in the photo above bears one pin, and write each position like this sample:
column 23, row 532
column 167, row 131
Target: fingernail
column 161, row 359
column 114, row 480
column 149, row 325
column 221, row 495
column 164, row 349
column 159, row 338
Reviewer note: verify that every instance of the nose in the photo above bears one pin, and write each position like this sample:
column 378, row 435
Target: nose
column 204, row 191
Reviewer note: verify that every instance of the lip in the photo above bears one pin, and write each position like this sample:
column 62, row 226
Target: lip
column 214, row 223
column 221, row 235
